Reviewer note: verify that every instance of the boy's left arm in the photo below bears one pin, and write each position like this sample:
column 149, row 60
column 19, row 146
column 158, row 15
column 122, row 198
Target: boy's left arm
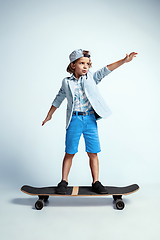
column 117, row 64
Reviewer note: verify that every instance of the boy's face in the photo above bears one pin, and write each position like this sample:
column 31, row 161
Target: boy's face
column 81, row 67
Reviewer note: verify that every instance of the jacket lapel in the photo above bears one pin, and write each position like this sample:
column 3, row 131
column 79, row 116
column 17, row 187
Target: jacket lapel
column 71, row 85
column 85, row 82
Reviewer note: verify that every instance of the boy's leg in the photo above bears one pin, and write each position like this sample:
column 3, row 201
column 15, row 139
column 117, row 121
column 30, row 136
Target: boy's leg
column 94, row 165
column 67, row 162
column 90, row 133
column 73, row 134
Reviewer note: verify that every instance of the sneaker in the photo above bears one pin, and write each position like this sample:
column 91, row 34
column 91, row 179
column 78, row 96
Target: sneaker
column 99, row 188
column 62, row 187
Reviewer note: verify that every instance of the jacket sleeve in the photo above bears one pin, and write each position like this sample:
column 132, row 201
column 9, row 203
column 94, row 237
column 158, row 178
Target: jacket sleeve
column 59, row 97
column 100, row 74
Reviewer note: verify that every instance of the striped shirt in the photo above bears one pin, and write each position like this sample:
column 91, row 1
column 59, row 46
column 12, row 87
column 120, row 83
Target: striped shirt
column 81, row 102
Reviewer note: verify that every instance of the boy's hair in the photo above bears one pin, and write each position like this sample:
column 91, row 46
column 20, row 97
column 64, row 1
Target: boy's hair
column 71, row 70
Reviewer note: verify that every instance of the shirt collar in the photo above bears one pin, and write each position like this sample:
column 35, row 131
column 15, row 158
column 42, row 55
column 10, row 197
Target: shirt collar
column 75, row 79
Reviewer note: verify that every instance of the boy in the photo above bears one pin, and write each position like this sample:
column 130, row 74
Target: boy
column 84, row 106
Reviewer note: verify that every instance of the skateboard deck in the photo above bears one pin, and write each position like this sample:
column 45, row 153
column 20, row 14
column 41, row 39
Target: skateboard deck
column 44, row 192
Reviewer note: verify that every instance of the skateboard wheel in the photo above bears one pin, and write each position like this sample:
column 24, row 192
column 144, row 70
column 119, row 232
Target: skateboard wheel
column 120, row 204
column 39, row 204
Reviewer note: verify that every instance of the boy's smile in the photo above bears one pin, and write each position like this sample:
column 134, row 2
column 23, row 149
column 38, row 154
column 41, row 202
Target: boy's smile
column 81, row 67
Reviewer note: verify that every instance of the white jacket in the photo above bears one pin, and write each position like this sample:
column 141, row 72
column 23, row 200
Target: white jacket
column 89, row 82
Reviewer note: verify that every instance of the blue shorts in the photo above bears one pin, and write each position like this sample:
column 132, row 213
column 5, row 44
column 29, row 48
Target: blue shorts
column 87, row 126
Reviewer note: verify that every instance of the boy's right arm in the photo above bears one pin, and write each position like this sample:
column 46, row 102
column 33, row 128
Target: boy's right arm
column 56, row 103
column 49, row 115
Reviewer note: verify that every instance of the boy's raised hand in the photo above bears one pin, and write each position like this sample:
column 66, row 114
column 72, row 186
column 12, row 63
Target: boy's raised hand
column 117, row 64
column 129, row 57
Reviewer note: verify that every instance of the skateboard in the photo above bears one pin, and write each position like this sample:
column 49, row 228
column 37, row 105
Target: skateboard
column 44, row 192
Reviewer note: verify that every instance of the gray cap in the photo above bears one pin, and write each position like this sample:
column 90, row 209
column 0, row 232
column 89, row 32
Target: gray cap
column 76, row 54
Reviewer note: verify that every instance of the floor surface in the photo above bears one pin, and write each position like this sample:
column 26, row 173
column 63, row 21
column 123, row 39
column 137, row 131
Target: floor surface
column 80, row 217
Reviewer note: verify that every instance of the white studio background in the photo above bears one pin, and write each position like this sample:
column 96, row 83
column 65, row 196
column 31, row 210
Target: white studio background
column 36, row 39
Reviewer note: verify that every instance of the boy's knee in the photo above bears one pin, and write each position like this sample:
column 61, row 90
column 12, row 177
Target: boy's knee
column 67, row 155
column 92, row 155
